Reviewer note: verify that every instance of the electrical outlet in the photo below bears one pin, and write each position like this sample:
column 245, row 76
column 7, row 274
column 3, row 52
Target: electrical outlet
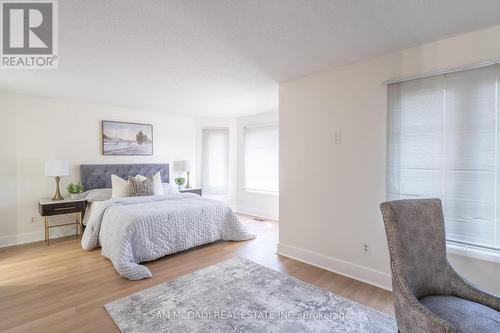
column 366, row 249
column 33, row 220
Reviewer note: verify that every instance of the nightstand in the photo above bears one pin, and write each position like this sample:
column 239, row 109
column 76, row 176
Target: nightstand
column 48, row 207
column 196, row 190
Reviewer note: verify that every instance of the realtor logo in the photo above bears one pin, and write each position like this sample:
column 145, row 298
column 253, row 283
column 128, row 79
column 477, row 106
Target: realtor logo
column 29, row 34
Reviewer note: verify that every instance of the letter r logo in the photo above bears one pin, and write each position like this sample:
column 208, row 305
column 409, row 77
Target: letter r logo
column 27, row 27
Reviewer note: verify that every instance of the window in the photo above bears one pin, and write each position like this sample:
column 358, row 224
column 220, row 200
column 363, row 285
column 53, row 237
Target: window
column 215, row 160
column 443, row 142
column 261, row 158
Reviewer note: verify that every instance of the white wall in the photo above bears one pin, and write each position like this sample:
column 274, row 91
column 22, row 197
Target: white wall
column 253, row 203
column 326, row 219
column 33, row 130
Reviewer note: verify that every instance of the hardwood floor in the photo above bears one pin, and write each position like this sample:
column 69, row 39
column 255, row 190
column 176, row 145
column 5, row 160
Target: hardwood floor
column 62, row 288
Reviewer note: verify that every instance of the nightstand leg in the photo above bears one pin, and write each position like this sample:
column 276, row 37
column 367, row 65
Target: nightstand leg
column 81, row 224
column 47, row 235
column 77, row 224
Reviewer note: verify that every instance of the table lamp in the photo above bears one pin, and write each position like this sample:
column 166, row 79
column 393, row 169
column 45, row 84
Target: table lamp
column 186, row 166
column 57, row 169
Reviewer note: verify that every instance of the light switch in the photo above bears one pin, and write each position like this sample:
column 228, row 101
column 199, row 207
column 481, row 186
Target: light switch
column 338, row 138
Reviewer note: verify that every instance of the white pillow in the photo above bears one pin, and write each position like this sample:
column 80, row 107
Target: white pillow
column 119, row 187
column 157, row 187
column 99, row 194
column 169, row 189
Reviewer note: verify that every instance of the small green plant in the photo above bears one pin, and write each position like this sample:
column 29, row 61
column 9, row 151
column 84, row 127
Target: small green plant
column 179, row 181
column 75, row 188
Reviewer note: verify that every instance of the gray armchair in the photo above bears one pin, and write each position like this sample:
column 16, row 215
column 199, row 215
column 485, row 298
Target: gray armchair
column 429, row 295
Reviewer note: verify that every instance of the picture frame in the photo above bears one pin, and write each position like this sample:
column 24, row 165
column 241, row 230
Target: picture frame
column 126, row 138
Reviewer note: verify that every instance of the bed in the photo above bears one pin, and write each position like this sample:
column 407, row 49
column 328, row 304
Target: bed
column 134, row 230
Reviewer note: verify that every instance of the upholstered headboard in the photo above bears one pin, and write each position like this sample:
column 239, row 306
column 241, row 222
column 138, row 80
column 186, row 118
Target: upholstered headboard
column 99, row 175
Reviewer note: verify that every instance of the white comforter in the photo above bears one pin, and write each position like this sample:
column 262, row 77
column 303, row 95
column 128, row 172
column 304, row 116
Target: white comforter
column 137, row 229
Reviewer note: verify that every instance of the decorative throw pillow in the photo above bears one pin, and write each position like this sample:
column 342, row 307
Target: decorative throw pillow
column 99, row 194
column 169, row 189
column 119, row 187
column 141, row 187
column 157, row 187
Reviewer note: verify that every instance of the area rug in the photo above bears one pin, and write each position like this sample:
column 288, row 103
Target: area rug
column 238, row 295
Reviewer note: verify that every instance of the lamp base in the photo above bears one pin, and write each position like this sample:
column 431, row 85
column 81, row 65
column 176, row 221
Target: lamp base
column 187, row 183
column 57, row 196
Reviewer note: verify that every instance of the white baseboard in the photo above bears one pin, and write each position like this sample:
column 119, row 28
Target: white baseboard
column 354, row 271
column 35, row 236
column 27, row 237
column 256, row 212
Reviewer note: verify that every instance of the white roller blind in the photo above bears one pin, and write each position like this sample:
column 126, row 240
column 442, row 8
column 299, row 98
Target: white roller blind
column 443, row 142
column 262, row 158
column 215, row 160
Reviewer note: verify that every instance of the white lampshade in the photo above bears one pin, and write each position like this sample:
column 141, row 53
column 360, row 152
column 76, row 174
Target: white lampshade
column 54, row 168
column 183, row 165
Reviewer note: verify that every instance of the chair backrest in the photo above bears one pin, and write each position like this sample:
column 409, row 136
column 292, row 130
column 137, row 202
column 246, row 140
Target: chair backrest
column 417, row 244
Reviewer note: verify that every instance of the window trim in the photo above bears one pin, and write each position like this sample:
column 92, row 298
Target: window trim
column 443, row 71
column 473, row 252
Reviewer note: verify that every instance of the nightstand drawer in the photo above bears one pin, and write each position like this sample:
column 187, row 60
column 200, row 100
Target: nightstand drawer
column 61, row 208
column 191, row 190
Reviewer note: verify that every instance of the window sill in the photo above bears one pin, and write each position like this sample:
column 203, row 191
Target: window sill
column 475, row 253
column 270, row 193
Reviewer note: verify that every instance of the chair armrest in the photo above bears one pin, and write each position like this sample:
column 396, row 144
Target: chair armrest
column 411, row 315
column 467, row 290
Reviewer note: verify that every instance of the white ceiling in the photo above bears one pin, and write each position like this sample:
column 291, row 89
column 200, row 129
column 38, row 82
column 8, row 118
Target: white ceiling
column 226, row 57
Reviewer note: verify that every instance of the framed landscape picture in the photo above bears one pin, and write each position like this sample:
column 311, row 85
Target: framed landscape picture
column 119, row 138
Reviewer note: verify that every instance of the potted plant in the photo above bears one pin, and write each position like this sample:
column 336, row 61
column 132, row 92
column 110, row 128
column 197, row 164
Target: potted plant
column 75, row 190
column 179, row 181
